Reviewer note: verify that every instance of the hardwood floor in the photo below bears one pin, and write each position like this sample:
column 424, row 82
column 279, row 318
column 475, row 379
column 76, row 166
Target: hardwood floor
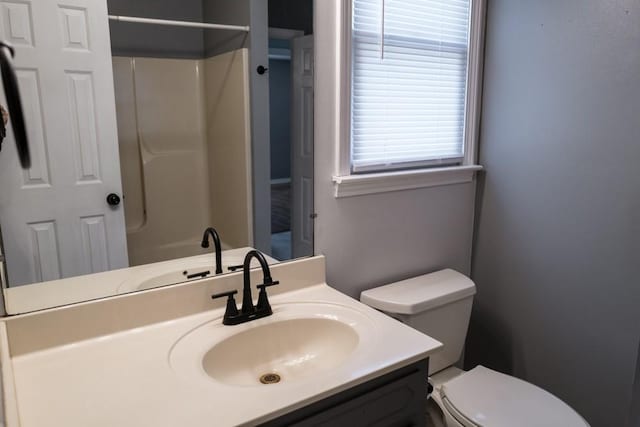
column 280, row 208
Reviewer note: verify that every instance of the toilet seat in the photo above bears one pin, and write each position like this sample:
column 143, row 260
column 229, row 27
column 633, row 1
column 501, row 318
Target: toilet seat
column 483, row 397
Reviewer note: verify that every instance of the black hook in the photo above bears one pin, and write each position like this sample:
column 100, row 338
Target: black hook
column 14, row 103
column 262, row 69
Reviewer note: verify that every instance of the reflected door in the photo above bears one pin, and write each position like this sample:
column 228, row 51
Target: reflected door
column 302, row 147
column 55, row 218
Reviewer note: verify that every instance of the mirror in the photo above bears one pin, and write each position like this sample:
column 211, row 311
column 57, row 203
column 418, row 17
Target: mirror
column 148, row 125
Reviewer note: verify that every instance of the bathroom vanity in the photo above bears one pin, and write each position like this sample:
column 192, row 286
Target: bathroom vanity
column 163, row 357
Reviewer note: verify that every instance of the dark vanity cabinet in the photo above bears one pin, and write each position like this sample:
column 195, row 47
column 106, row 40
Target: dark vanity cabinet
column 395, row 399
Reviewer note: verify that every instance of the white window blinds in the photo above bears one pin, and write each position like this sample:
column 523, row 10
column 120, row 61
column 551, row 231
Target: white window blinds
column 409, row 77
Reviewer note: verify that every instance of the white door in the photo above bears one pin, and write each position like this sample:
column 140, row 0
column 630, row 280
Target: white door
column 302, row 147
column 55, row 220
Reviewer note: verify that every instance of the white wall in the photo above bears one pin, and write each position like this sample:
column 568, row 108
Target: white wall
column 373, row 239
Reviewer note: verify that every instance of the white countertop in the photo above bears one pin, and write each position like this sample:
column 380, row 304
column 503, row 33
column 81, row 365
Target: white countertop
column 126, row 379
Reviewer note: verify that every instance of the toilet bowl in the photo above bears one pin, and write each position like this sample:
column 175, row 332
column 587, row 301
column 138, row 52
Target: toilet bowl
column 439, row 305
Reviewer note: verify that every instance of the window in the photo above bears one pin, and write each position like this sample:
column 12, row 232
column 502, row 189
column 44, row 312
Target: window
column 409, row 83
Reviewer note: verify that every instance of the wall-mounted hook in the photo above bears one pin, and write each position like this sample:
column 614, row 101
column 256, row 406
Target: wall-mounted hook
column 261, row 69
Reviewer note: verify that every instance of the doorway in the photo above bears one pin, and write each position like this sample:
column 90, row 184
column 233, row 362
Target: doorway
column 280, row 137
column 291, row 128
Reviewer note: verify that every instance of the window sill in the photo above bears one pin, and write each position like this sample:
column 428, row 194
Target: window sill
column 357, row 185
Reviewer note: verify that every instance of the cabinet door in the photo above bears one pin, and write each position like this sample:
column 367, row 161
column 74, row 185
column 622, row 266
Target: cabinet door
column 395, row 399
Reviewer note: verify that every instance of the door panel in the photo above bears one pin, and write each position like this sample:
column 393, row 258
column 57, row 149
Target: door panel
column 44, row 247
column 54, row 217
column 38, row 174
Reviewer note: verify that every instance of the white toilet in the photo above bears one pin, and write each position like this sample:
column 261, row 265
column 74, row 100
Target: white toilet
column 439, row 305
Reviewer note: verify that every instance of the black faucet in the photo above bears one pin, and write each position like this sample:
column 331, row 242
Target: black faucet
column 216, row 243
column 248, row 312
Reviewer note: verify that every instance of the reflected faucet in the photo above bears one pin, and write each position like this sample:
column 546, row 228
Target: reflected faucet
column 248, row 312
column 216, row 243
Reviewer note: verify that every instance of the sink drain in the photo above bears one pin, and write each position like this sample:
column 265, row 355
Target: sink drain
column 270, row 378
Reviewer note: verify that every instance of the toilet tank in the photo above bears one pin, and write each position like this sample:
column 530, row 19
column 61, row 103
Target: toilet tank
column 437, row 304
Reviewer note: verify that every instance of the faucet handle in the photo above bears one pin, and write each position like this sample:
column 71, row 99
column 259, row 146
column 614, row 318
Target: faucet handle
column 267, row 284
column 232, row 308
column 263, row 300
column 229, row 294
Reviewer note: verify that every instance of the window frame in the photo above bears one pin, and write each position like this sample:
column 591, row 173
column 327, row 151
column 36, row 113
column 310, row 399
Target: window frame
column 348, row 183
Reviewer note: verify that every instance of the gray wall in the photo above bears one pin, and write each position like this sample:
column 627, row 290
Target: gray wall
column 376, row 239
column 634, row 413
column 229, row 12
column 129, row 39
column 557, row 243
column 291, row 14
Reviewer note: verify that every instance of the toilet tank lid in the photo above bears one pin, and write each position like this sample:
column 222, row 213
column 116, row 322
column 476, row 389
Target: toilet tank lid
column 420, row 293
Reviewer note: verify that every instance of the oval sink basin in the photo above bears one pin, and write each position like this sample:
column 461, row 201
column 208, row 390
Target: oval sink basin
column 169, row 273
column 300, row 341
column 287, row 350
column 185, row 274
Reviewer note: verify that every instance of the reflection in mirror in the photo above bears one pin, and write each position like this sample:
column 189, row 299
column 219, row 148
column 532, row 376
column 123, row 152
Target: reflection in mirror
column 148, row 125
